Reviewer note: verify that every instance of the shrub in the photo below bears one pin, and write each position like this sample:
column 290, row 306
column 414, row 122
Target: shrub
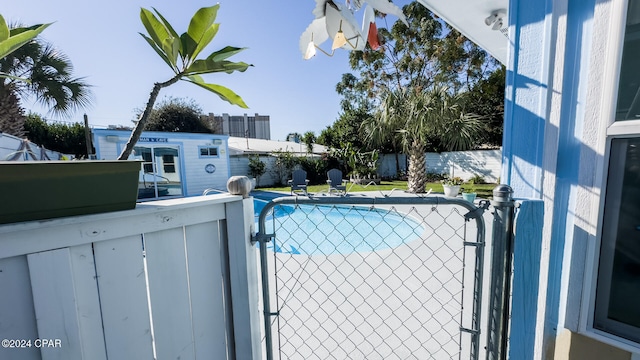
column 316, row 170
column 282, row 167
column 435, row 177
column 477, row 179
column 257, row 168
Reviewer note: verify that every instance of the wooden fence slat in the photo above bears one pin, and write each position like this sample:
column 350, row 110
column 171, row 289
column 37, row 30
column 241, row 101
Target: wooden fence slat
column 123, row 296
column 17, row 315
column 66, row 303
column 169, row 294
column 54, row 302
column 207, row 300
column 88, row 302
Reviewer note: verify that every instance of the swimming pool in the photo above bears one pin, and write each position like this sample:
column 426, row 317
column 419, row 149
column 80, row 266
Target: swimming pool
column 328, row 229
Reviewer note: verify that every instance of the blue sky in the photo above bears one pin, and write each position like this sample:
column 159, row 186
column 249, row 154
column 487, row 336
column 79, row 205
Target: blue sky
column 101, row 39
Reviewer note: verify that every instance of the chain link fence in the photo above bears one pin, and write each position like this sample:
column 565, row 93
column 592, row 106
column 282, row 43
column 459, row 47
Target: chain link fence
column 372, row 278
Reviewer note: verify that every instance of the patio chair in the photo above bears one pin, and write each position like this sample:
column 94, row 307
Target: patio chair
column 299, row 182
column 336, row 182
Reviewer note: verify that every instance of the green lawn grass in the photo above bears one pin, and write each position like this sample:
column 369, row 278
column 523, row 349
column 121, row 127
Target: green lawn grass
column 483, row 190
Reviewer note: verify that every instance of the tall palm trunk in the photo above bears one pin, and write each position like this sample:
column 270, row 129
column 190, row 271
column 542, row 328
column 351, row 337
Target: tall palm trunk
column 417, row 168
column 11, row 114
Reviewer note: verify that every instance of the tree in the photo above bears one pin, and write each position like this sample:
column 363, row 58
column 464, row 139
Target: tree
column 309, row 138
column 63, row 138
column 428, row 53
column 38, row 69
column 486, row 98
column 177, row 115
column 169, row 46
column 347, row 129
column 419, row 114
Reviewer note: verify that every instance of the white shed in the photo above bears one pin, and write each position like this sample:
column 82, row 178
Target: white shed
column 173, row 164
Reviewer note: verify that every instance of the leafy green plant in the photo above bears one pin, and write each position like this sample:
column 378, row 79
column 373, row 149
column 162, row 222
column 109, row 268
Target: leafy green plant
column 283, row 165
column 12, row 40
column 180, row 53
column 359, row 164
column 477, row 179
column 66, row 138
column 469, row 187
column 435, row 177
column 257, row 167
column 452, row 181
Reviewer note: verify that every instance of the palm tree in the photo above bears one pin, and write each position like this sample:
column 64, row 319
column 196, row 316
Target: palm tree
column 309, row 138
column 170, row 46
column 416, row 115
column 383, row 128
column 38, row 69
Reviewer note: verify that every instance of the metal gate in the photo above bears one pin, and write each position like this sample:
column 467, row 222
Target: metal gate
column 360, row 277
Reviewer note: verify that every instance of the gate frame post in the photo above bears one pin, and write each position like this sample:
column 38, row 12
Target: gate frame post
column 242, row 270
column 501, row 270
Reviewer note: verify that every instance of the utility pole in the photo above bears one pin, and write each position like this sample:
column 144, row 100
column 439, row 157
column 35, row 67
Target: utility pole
column 87, row 137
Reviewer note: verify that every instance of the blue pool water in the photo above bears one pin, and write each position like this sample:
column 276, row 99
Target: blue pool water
column 323, row 229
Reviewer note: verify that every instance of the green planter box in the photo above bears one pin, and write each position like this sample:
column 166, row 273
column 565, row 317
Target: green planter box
column 35, row 190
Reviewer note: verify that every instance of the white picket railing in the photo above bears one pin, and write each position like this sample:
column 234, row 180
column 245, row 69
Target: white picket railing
column 171, row 279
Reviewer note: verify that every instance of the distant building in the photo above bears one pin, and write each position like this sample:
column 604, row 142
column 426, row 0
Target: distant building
column 255, row 127
column 294, row 137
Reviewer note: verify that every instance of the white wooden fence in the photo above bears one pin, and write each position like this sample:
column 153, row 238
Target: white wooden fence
column 239, row 165
column 465, row 164
column 16, row 149
column 172, row 279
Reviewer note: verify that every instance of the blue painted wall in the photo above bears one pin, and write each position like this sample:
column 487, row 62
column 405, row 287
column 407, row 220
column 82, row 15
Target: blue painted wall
column 526, row 97
column 529, row 140
column 579, row 17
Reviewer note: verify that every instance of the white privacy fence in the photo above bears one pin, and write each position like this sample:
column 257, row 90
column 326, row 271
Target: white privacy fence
column 173, row 279
column 16, row 149
column 465, row 164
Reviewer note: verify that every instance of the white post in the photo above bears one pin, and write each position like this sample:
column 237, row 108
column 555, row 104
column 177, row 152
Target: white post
column 243, row 272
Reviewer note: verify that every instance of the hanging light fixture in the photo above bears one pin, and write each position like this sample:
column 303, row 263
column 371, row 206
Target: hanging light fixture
column 311, row 50
column 338, row 41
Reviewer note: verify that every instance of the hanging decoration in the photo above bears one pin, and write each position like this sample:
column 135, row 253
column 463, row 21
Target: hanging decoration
column 338, row 22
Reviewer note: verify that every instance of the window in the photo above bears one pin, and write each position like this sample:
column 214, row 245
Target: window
column 618, row 290
column 209, row 152
column 618, row 284
column 169, row 163
column 628, row 107
column 145, row 153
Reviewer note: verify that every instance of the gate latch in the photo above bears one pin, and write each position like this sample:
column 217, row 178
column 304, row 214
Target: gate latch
column 483, row 205
column 260, row 237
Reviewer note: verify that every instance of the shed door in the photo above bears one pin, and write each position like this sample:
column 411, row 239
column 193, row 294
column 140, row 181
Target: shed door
column 160, row 173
